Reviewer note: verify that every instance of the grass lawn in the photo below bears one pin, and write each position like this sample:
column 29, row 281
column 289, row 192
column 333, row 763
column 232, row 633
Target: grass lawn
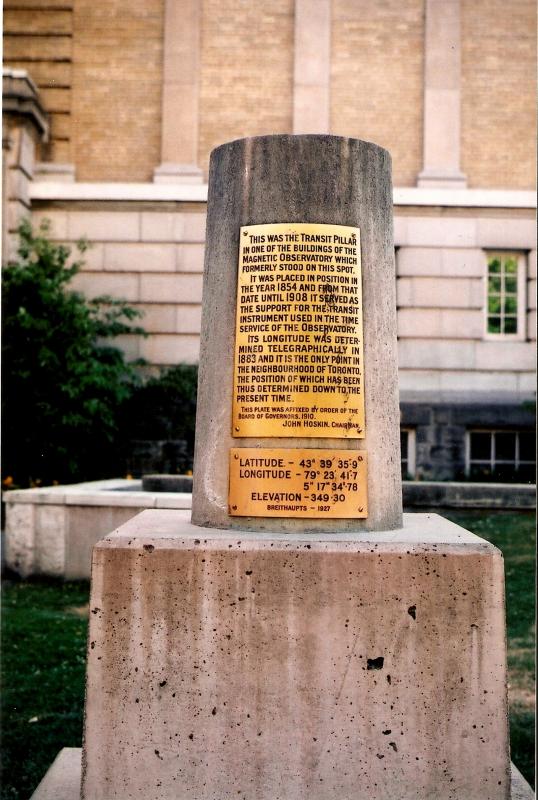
column 44, row 652
column 44, row 627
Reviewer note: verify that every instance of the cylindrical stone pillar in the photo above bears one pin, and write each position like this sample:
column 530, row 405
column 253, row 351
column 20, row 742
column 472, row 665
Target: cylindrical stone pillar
column 327, row 180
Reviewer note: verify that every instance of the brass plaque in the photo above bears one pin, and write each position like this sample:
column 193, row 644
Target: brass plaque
column 326, row 484
column 299, row 344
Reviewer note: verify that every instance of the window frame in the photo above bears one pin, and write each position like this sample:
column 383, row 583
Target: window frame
column 493, row 462
column 411, row 452
column 521, row 316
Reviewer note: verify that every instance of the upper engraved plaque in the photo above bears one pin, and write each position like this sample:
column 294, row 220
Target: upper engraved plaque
column 299, row 344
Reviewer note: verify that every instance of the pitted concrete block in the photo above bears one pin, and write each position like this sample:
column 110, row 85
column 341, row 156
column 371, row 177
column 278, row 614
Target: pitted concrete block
column 296, row 665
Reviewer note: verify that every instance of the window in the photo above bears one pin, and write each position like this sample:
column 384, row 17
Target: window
column 505, row 295
column 407, row 447
column 501, row 455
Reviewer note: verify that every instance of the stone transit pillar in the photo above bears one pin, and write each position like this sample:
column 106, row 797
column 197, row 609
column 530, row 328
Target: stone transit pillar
column 298, row 341
column 296, row 639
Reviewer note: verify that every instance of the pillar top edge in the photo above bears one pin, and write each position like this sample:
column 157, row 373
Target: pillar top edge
column 296, row 137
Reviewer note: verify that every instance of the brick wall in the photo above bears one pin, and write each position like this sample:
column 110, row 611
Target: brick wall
column 440, row 432
column 40, row 40
column 377, row 78
column 117, row 78
column 99, row 68
column 498, row 93
column 246, row 81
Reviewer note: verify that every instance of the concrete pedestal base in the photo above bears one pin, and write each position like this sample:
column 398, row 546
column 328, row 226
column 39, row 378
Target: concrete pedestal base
column 289, row 666
column 62, row 781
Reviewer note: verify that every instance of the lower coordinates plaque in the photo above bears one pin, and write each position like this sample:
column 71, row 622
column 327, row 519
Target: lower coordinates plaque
column 298, row 483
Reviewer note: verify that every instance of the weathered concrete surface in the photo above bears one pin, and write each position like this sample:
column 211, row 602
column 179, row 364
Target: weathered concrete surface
column 287, row 666
column 322, row 179
column 64, row 784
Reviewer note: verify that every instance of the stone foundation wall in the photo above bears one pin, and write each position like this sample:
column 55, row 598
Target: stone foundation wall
column 440, row 430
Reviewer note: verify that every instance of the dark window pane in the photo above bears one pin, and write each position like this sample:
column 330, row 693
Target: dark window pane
column 494, row 265
column 494, row 285
column 480, row 472
column 510, row 305
column 526, row 473
column 404, row 444
column 480, row 446
column 527, row 446
column 504, row 473
column 510, row 285
column 494, row 324
column 510, row 325
column 505, row 447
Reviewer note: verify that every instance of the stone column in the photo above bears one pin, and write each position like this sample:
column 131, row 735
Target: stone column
column 181, row 71
column 312, row 64
column 25, row 125
column 442, row 102
column 294, row 179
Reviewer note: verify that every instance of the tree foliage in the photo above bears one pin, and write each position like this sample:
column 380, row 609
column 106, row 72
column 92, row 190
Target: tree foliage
column 165, row 406
column 63, row 381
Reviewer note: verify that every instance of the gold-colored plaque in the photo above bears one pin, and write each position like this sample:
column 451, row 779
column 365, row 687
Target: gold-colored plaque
column 327, row 484
column 299, row 343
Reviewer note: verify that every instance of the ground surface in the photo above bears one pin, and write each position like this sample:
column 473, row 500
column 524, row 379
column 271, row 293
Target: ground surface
column 44, row 627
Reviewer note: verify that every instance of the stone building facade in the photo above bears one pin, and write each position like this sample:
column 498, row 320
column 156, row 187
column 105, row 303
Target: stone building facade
column 111, row 112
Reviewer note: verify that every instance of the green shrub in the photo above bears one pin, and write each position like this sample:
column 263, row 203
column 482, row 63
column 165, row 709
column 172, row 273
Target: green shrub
column 64, row 383
column 164, row 408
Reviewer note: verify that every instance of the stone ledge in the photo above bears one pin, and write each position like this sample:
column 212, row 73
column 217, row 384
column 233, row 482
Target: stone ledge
column 416, row 494
column 20, row 95
column 112, row 492
column 62, row 780
column 435, row 494
column 89, row 511
column 404, row 196
column 165, row 528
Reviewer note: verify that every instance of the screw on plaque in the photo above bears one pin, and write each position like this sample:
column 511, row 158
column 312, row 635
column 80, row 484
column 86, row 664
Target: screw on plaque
column 234, row 508
column 236, row 456
column 245, row 233
column 236, row 428
column 359, row 458
column 361, row 508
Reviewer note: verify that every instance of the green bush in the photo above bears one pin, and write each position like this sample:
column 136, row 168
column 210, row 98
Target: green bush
column 164, row 408
column 64, row 383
